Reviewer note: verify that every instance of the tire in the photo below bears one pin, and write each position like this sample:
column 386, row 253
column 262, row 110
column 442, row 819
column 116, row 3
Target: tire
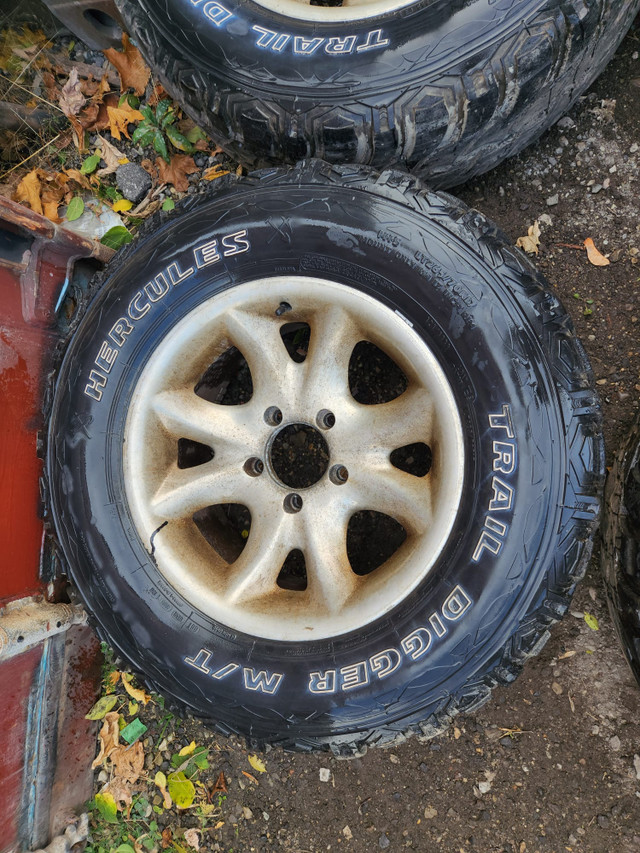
column 499, row 414
column 447, row 90
column 621, row 546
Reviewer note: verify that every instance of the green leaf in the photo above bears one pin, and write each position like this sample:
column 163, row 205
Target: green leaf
column 168, row 204
column 591, row 621
column 90, row 164
column 200, row 758
column 116, row 237
column 75, row 208
column 143, row 135
column 136, row 728
column 102, row 707
column 107, row 807
column 178, row 140
column 160, row 145
column 147, row 112
column 162, row 110
column 129, row 98
column 195, row 134
column 181, row 789
column 124, row 848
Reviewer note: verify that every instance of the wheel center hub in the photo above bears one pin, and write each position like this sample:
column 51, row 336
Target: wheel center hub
column 299, row 455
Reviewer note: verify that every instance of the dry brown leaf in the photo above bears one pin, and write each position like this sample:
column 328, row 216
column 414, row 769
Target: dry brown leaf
column 29, row 190
column 220, row 785
column 111, row 156
column 192, row 837
column 158, row 94
column 595, row 257
column 113, row 678
column 120, row 792
column 134, row 692
column 167, row 838
column 109, row 736
column 176, row 171
column 71, row 98
column 120, row 118
column 133, row 71
column 148, row 166
column 531, row 240
column 77, row 176
column 128, row 762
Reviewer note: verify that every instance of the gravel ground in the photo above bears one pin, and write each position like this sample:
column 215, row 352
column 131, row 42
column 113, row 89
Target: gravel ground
column 548, row 763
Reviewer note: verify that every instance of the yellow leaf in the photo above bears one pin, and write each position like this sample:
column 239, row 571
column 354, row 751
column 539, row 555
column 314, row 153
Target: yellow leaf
column 214, row 172
column 133, row 708
column 257, row 764
column 123, row 160
column 29, row 190
column 160, row 779
column 134, row 692
column 120, row 118
column 187, row 750
column 591, row 621
column 595, row 257
column 531, row 241
column 122, row 205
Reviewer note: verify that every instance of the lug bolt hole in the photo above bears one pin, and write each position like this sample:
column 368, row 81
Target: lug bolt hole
column 273, row 416
column 292, row 503
column 325, row 419
column 253, row 466
column 339, row 475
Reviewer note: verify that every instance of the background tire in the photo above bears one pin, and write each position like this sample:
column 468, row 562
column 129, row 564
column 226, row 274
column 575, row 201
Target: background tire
column 515, row 468
column 448, row 90
column 621, row 546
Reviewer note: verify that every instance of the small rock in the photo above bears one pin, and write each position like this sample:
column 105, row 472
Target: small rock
column 565, row 123
column 633, row 148
column 247, row 813
column 506, row 741
column 394, row 759
column 636, row 765
column 596, row 188
column 347, row 833
column 383, row 842
column 133, row 182
column 603, row 821
column 545, row 219
column 614, row 743
column 484, row 787
column 552, row 200
column 325, row 774
column 557, row 689
column 430, row 812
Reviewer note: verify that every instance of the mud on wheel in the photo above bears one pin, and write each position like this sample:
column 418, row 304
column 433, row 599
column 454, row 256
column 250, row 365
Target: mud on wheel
column 325, row 457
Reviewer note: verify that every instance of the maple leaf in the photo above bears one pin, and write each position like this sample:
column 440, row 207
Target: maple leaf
column 133, row 71
column 111, row 156
column 176, row 171
column 120, row 118
column 71, row 98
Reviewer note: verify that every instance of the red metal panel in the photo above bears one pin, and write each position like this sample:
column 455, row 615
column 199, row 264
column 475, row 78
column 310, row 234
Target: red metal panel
column 16, row 678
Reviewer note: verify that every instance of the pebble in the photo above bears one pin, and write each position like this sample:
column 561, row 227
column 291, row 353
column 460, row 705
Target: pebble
column 133, row 182
column 614, row 743
column 566, row 122
column 506, row 741
column 552, row 200
column 346, row 831
column 596, row 188
column 325, row 774
column 430, row 812
column 247, row 813
column 383, row 842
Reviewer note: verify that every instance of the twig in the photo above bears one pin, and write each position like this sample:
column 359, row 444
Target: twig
column 29, row 92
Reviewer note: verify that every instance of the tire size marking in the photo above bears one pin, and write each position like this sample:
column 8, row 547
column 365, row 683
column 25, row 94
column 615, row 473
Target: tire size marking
column 494, row 531
column 203, row 255
column 261, row 681
column 275, row 41
column 413, row 647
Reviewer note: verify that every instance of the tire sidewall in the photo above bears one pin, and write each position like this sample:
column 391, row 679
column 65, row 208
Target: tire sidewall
column 492, row 359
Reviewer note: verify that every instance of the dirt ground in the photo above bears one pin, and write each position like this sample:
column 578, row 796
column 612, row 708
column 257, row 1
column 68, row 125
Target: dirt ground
column 548, row 763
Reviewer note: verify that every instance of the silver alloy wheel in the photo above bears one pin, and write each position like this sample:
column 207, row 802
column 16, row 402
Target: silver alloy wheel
column 163, row 498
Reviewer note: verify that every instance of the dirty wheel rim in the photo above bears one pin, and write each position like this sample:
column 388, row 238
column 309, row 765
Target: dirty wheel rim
column 312, row 396
column 337, row 12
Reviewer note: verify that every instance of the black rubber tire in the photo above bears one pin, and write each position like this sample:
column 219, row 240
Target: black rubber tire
column 458, row 88
column 621, row 546
column 502, row 339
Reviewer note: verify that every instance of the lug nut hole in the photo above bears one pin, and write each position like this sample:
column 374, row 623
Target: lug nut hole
column 253, row 466
column 339, row 475
column 325, row 419
column 292, row 503
column 273, row 416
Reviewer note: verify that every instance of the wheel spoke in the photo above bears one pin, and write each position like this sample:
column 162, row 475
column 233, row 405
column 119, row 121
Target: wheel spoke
column 329, row 575
column 402, row 496
column 184, row 492
column 185, row 415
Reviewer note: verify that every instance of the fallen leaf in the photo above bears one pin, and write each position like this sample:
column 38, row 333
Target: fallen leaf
column 111, row 157
column 176, row 171
column 250, row 776
column 134, row 692
column 569, row 654
column 220, row 785
column 109, row 736
column 167, row 838
column 591, row 621
column 133, row 71
column 121, row 793
column 257, row 763
column 75, row 209
column 531, row 241
column 90, row 164
column 71, row 98
column 121, row 206
column 182, row 790
column 192, row 837
column 28, row 190
column 161, row 781
column 120, row 118
column 214, row 172
column 595, row 257
column 102, row 707
column 128, row 762
column 106, row 805
column 187, row 750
